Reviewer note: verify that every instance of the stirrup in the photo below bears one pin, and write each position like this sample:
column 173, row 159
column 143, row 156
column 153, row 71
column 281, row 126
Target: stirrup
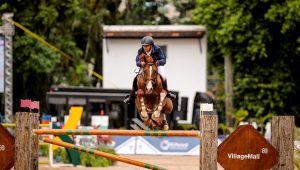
column 171, row 95
column 127, row 99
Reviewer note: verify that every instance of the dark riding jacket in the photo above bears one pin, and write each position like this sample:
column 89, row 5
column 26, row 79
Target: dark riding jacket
column 156, row 52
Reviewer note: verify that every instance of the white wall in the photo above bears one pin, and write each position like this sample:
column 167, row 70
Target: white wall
column 185, row 68
column 119, row 62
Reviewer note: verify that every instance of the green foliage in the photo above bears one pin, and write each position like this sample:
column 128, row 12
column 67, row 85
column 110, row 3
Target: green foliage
column 297, row 134
column 263, row 39
column 90, row 160
column 224, row 127
column 183, row 8
column 60, row 154
column 43, row 150
column 87, row 159
column 144, row 13
column 297, row 159
column 67, row 25
column 238, row 116
column 261, row 36
column 297, row 150
column 74, row 27
column 187, row 126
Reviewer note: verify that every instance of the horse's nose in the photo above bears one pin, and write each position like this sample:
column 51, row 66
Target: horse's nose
column 149, row 87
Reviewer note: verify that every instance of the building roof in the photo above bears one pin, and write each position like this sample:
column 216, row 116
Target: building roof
column 157, row 31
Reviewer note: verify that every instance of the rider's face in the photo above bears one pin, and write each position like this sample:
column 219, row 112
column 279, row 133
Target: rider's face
column 147, row 47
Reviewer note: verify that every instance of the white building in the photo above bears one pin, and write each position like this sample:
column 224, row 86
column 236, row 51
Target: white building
column 186, row 51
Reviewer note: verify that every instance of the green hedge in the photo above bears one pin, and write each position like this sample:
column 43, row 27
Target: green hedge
column 86, row 159
column 43, row 150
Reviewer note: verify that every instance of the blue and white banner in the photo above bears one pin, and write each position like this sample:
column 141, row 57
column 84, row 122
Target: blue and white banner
column 157, row 145
column 152, row 145
column 1, row 64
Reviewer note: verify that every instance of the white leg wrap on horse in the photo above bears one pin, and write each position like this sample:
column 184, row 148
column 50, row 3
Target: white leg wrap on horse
column 156, row 114
column 162, row 98
column 166, row 127
column 144, row 114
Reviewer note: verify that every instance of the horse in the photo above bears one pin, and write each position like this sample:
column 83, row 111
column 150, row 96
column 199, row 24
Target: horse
column 151, row 101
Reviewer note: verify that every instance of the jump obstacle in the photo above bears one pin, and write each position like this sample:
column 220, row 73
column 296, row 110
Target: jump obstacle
column 103, row 154
column 117, row 132
column 111, row 132
column 27, row 133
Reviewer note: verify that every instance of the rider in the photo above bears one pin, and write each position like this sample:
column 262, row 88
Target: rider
column 149, row 48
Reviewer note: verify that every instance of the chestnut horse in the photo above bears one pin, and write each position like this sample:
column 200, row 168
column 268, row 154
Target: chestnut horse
column 151, row 101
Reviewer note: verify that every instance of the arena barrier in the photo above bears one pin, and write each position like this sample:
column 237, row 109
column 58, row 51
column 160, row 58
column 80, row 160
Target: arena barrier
column 181, row 133
column 28, row 132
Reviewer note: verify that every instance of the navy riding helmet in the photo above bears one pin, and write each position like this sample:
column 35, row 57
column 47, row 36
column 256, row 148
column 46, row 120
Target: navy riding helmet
column 147, row 40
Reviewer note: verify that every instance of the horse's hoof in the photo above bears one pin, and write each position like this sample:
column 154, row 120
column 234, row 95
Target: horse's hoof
column 155, row 115
column 153, row 127
column 144, row 116
column 166, row 127
column 148, row 123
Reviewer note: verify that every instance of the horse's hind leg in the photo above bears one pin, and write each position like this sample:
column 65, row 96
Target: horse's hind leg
column 165, row 123
column 168, row 106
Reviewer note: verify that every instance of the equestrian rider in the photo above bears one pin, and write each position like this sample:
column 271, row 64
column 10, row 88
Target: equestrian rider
column 150, row 49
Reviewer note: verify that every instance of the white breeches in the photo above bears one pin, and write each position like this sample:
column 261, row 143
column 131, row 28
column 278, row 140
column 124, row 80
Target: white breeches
column 161, row 71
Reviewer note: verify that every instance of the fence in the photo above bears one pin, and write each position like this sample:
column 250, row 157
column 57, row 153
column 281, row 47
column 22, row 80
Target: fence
column 27, row 132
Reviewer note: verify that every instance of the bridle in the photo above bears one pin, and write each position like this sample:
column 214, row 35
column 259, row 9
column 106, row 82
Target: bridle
column 153, row 80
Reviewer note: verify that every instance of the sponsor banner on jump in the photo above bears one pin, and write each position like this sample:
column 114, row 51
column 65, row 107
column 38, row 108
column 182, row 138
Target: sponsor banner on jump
column 1, row 64
column 157, row 145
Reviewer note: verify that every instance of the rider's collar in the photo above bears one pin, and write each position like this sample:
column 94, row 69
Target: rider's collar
column 149, row 53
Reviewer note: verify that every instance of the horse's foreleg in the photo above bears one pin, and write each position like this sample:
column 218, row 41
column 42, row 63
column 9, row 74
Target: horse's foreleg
column 156, row 114
column 144, row 114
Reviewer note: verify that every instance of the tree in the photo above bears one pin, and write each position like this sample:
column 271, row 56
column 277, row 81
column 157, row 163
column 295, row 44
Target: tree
column 64, row 24
column 262, row 38
column 184, row 9
column 74, row 27
column 149, row 12
column 89, row 34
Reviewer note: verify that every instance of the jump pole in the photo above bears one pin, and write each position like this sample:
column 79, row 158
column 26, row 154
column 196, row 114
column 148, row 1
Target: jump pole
column 116, row 132
column 103, row 154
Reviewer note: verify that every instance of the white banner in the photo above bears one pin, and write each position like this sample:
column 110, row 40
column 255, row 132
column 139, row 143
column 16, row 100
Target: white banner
column 1, row 64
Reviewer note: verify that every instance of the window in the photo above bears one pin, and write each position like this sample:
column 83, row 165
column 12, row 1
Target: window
column 164, row 49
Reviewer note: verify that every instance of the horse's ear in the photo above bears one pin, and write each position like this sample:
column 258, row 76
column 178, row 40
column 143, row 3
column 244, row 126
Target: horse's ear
column 142, row 57
column 149, row 59
column 155, row 60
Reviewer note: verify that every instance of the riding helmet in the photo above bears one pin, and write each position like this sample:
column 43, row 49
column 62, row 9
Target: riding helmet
column 147, row 40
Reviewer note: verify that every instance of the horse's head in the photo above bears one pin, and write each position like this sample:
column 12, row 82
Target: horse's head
column 150, row 76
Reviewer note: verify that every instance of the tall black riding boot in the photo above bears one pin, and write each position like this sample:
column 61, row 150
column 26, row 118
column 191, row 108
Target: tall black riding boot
column 170, row 95
column 131, row 97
